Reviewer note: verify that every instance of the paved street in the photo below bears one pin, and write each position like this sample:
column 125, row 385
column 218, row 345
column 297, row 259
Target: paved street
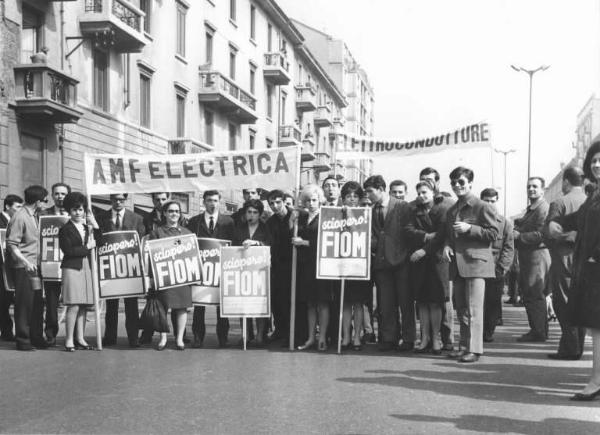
column 514, row 389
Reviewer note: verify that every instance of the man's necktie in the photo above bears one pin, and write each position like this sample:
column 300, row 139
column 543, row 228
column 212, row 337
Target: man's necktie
column 211, row 225
column 379, row 214
column 118, row 222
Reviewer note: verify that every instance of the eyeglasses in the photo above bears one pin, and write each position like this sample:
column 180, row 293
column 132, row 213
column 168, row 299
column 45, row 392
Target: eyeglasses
column 459, row 181
column 119, row 199
column 173, row 211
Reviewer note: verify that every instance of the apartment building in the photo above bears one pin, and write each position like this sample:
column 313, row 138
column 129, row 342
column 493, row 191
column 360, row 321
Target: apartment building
column 358, row 118
column 156, row 76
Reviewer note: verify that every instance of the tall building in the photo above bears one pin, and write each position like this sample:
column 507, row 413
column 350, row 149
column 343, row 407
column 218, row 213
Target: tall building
column 155, row 76
column 358, row 118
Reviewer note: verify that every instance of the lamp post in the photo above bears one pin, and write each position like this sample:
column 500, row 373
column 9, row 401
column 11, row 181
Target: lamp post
column 530, row 72
column 506, row 153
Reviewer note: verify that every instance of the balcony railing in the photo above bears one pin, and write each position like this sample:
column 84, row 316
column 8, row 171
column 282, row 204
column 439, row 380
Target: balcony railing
column 223, row 94
column 323, row 117
column 305, row 98
column 118, row 18
column 183, row 145
column 44, row 92
column 322, row 162
column 277, row 60
column 290, row 133
column 276, row 68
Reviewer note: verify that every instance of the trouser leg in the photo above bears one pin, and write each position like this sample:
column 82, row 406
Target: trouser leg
column 111, row 320
column 475, row 292
column 52, row 291
column 406, row 301
column 387, row 303
column 198, row 322
column 447, row 327
column 132, row 319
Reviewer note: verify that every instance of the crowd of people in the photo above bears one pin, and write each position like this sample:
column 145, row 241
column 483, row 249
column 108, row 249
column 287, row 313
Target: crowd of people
column 431, row 258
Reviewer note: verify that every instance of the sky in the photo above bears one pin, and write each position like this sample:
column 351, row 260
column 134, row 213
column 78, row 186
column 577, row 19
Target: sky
column 437, row 65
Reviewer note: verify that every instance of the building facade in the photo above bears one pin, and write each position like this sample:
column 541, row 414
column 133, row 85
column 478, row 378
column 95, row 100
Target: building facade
column 156, row 77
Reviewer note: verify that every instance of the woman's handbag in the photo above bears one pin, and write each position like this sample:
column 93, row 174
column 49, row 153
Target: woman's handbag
column 154, row 315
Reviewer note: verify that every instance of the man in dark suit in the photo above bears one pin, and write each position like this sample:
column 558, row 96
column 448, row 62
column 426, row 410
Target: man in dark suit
column 390, row 248
column 120, row 219
column 210, row 224
column 561, row 246
column 534, row 261
column 52, row 288
column 503, row 249
column 471, row 227
column 398, row 189
column 12, row 204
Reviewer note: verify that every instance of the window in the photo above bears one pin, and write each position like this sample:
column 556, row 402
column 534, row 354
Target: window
column 300, row 74
column 31, row 34
column 283, row 101
column 269, row 37
column 146, row 7
column 232, row 136
column 269, row 143
column 145, row 107
column 180, row 103
column 32, row 160
column 209, row 46
column 251, row 139
column 209, row 119
column 252, row 79
column 269, row 101
column 252, row 22
column 232, row 9
column 180, row 29
column 100, row 80
column 232, row 56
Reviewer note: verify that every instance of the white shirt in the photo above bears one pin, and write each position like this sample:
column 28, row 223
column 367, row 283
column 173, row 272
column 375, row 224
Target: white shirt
column 81, row 228
column 7, row 216
column 207, row 216
column 114, row 216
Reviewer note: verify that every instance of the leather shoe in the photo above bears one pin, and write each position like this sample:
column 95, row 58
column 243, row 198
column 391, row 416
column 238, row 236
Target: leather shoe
column 457, row 353
column 406, row 346
column 581, row 397
column 25, row 348
column 487, row 337
column 51, row 341
column 564, row 357
column 469, row 358
column 40, row 344
column 7, row 337
column 531, row 338
column 134, row 344
column 448, row 347
column 386, row 346
column 108, row 343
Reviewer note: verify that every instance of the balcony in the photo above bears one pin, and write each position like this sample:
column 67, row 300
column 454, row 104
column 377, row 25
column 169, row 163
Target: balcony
column 290, row 135
column 117, row 23
column 45, row 93
column 223, row 95
column 305, row 98
column 322, row 117
column 340, row 171
column 276, row 69
column 322, row 162
column 184, row 145
column 339, row 121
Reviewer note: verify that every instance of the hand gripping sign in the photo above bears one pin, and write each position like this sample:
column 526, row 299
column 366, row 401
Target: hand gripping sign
column 50, row 253
column 207, row 292
column 245, row 281
column 344, row 243
column 7, row 272
column 120, row 269
column 175, row 261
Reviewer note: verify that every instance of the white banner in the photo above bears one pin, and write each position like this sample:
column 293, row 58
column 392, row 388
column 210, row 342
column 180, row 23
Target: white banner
column 118, row 173
column 351, row 147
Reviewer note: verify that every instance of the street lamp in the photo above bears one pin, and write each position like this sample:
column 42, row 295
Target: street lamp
column 531, row 72
column 505, row 152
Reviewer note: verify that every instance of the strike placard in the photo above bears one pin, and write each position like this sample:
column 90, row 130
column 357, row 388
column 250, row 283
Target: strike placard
column 120, row 271
column 245, row 281
column 7, row 275
column 50, row 253
column 207, row 292
column 344, row 243
column 175, row 261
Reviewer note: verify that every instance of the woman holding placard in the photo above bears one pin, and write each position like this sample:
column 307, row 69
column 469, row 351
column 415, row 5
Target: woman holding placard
column 357, row 292
column 76, row 241
column 253, row 232
column 315, row 292
column 429, row 276
column 178, row 299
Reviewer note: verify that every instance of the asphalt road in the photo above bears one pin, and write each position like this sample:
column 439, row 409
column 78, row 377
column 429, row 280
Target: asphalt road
column 513, row 389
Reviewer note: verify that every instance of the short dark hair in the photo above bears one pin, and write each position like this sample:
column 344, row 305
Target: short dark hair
column 254, row 203
column 489, row 192
column 11, row 199
column 287, row 195
column 274, row 194
column 124, row 195
column 75, row 200
column 160, row 193
column 589, row 188
column 65, row 185
column 35, row 193
column 168, row 204
column 542, row 181
column 212, row 192
column 429, row 170
column 244, row 191
column 330, row 177
column 398, row 183
column 574, row 175
column 426, row 183
column 587, row 163
column 350, row 187
column 460, row 171
column 374, row 181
